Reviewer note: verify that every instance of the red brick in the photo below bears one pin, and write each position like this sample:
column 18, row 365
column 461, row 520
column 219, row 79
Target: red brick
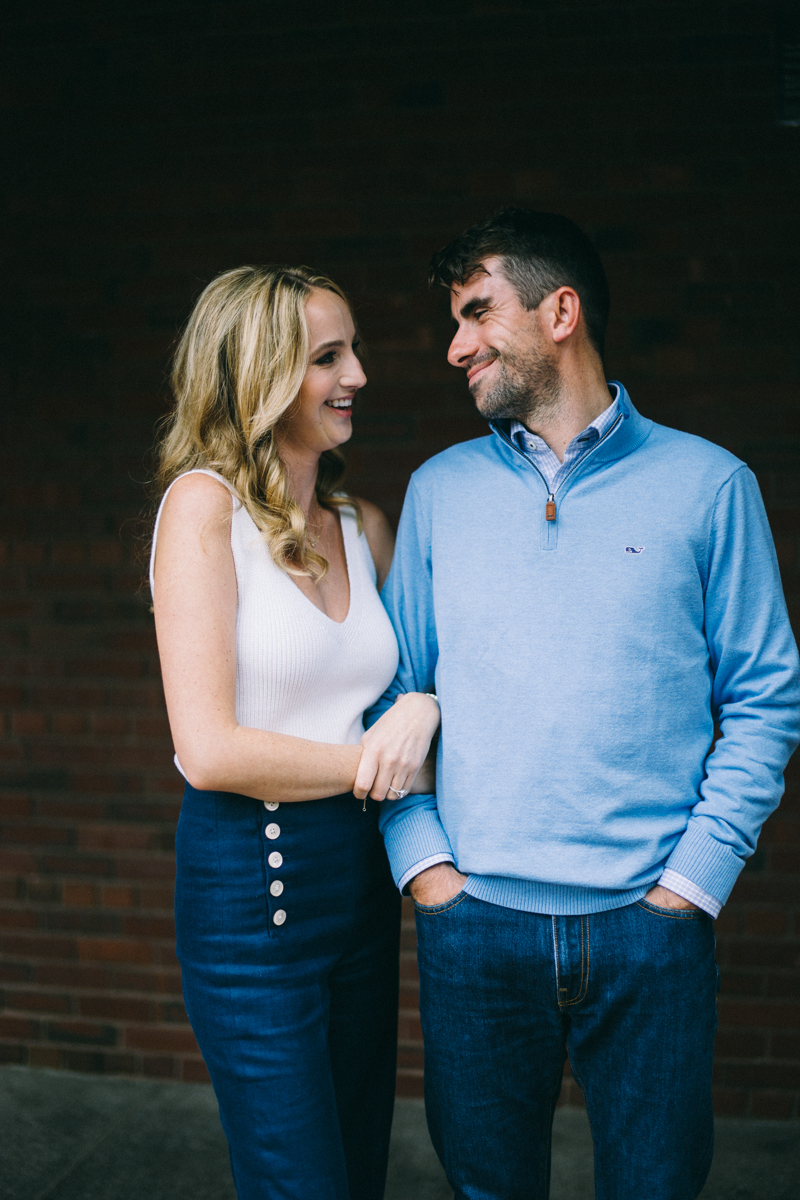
column 161, row 1040
column 772, row 1105
column 45, row 1002
column 766, row 924
column 161, row 1067
column 69, row 724
column 16, row 918
column 31, row 946
column 117, row 1008
column 118, row 897
column 82, row 895
column 13, row 1054
column 25, row 724
column 45, row 1056
column 730, row 1102
column 15, row 806
column 84, row 1033
column 785, row 1045
column 410, row 1082
column 194, row 1070
column 18, row 1027
column 117, row 950
column 758, row 1014
column 156, row 981
column 149, row 927
column 764, row 953
column 738, row 1043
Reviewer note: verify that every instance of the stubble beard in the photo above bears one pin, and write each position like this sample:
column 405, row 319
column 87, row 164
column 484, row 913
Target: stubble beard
column 528, row 388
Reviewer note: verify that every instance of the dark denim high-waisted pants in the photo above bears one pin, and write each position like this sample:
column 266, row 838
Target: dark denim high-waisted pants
column 288, row 926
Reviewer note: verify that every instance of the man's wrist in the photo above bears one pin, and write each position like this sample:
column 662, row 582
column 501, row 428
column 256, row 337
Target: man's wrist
column 437, row 884
column 405, row 881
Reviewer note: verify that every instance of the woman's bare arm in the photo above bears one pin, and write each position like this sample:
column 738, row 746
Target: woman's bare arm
column 195, row 609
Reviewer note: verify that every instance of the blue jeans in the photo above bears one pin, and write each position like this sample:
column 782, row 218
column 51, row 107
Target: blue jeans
column 296, row 1020
column 630, row 993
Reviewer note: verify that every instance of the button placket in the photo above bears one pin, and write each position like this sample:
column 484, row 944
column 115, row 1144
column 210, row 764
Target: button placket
column 275, row 860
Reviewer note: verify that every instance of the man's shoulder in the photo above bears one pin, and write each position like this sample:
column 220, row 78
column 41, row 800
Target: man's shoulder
column 454, row 460
column 687, row 452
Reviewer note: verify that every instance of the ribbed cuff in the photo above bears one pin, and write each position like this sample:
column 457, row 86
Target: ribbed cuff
column 412, row 837
column 709, row 864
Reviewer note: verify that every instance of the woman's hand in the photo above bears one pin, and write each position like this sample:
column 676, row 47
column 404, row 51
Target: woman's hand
column 396, row 746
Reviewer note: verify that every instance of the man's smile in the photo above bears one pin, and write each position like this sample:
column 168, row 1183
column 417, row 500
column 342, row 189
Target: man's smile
column 480, row 365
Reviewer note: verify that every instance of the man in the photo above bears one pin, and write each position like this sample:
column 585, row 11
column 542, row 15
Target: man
column 587, row 593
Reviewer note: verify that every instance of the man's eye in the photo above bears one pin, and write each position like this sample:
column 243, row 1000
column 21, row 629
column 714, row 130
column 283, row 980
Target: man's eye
column 480, row 312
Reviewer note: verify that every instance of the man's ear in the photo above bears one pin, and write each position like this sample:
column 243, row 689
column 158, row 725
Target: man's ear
column 561, row 311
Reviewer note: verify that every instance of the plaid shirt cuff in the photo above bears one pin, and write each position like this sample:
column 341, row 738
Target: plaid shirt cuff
column 691, row 892
column 419, row 867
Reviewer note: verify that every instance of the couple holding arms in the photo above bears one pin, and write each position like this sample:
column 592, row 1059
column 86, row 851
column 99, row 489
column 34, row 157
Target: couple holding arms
column 579, row 597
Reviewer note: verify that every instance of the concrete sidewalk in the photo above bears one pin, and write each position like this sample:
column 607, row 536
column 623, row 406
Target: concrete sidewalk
column 78, row 1137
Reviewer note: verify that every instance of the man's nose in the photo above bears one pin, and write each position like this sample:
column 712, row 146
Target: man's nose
column 463, row 347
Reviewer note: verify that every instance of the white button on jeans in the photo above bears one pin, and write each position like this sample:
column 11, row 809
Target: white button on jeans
column 271, row 805
column 280, row 917
column 276, row 887
column 272, row 832
column 275, row 859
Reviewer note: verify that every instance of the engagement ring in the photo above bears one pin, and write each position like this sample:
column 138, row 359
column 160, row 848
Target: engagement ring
column 399, row 792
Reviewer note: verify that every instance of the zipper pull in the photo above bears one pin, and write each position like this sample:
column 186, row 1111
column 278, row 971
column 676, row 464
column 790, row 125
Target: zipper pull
column 550, row 508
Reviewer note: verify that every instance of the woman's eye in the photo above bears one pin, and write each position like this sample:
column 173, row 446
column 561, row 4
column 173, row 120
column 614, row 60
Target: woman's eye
column 326, row 359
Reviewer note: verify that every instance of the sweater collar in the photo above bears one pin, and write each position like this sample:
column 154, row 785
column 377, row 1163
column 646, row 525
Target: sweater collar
column 625, row 437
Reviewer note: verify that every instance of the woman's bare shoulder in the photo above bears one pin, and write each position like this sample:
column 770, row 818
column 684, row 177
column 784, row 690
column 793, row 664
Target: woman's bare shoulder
column 197, row 496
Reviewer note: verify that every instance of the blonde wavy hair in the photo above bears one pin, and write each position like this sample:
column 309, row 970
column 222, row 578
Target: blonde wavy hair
column 237, row 371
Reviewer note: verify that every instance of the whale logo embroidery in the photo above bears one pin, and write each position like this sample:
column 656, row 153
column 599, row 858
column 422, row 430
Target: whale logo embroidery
column 634, row 549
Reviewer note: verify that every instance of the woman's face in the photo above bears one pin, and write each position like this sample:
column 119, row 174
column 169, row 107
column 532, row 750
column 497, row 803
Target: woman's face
column 320, row 417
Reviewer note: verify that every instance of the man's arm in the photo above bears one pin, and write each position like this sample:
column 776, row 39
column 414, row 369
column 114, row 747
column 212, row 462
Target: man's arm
column 416, row 842
column 755, row 696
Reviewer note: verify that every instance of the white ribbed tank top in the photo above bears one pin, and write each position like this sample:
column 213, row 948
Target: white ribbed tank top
column 297, row 671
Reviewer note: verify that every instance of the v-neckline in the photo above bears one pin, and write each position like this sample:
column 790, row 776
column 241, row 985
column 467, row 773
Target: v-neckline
column 322, row 613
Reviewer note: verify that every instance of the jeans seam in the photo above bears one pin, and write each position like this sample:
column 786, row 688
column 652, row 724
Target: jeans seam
column 434, row 910
column 585, row 962
column 555, row 954
column 585, row 953
column 671, row 915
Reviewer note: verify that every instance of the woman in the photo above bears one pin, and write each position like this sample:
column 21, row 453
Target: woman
column 273, row 642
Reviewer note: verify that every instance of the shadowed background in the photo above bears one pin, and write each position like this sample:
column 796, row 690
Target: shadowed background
column 149, row 146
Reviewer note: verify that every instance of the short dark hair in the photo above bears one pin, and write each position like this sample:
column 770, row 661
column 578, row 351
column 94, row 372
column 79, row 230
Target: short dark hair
column 541, row 252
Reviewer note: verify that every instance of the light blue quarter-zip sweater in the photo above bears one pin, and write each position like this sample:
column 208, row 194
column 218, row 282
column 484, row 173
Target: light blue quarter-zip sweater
column 581, row 663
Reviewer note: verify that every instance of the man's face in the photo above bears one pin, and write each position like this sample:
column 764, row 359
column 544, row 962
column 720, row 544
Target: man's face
column 512, row 371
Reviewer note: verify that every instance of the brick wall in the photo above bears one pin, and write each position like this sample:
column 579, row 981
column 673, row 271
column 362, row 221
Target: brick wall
column 150, row 145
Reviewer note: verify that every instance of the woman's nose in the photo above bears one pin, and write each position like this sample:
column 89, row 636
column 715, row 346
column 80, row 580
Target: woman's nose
column 353, row 374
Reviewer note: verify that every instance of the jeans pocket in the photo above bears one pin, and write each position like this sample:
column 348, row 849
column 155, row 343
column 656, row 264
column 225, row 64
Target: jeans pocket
column 433, row 909
column 680, row 914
